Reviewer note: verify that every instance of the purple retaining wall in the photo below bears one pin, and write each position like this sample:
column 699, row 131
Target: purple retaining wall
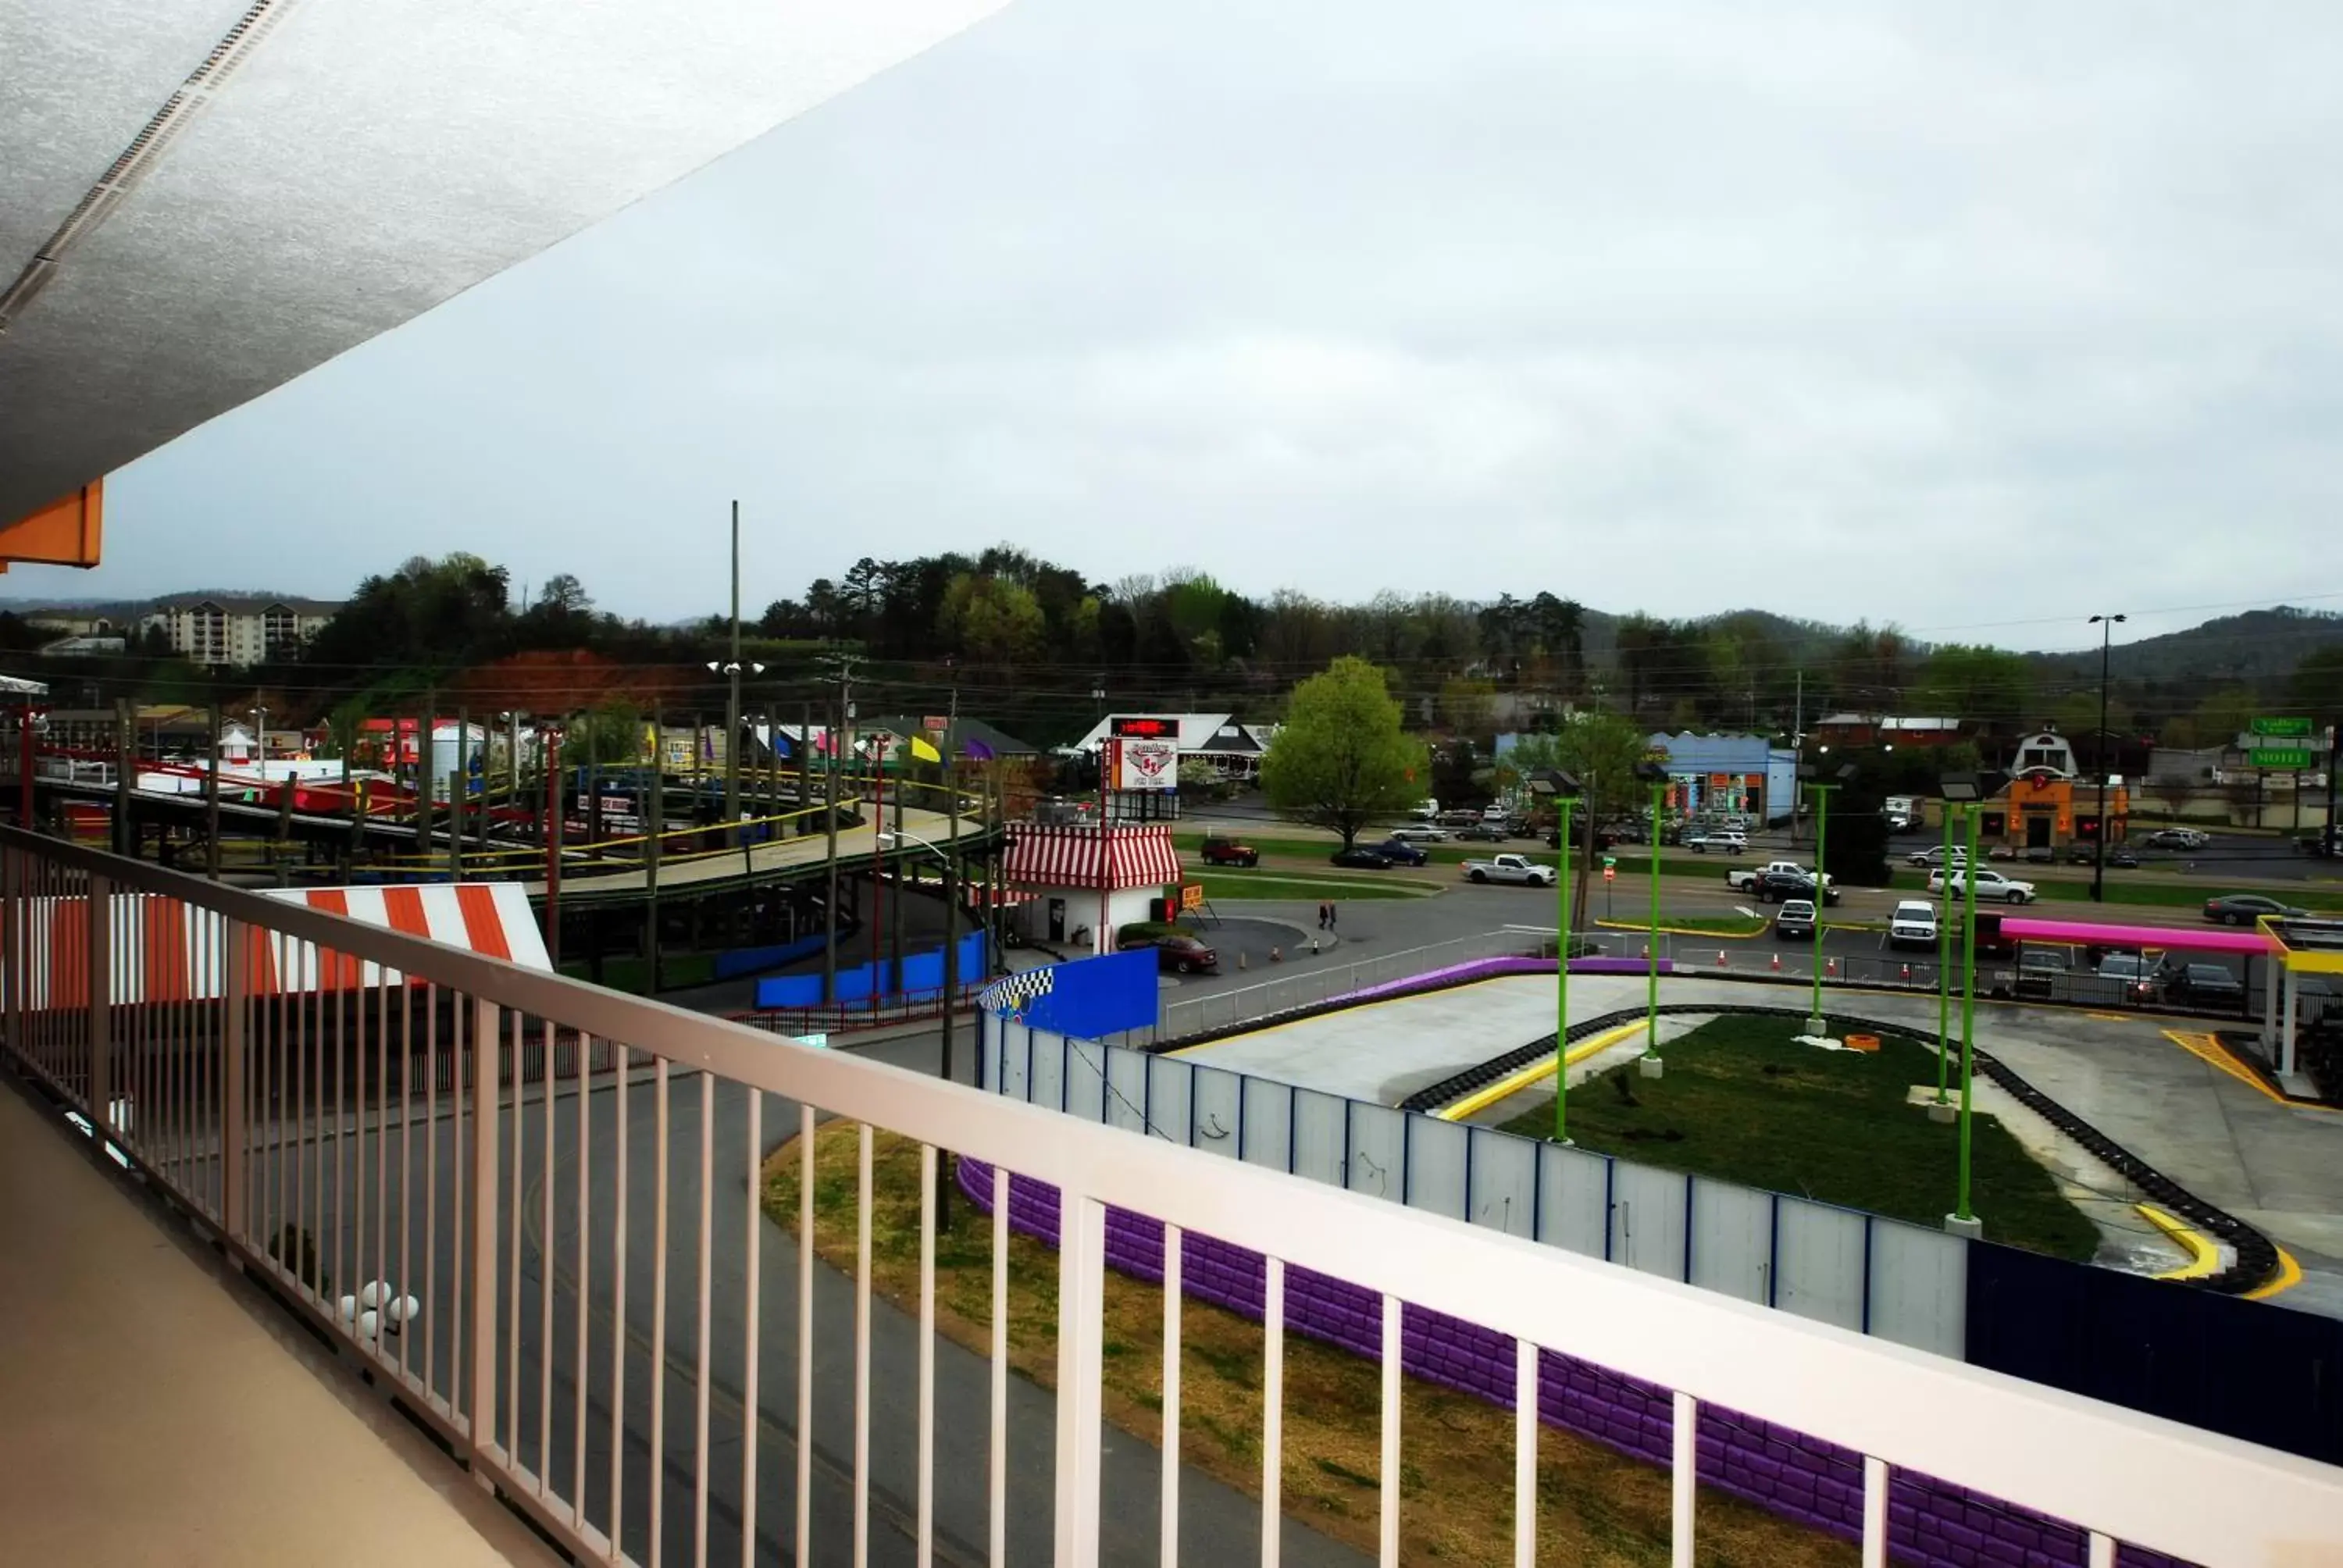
column 1930, row 1522
column 1485, row 969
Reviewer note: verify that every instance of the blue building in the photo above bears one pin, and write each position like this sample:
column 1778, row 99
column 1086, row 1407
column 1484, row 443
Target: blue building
column 1731, row 773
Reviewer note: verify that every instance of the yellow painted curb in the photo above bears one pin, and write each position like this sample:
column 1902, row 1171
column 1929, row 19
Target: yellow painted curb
column 2289, row 1274
column 1514, row 1082
column 2208, row 1049
column 2204, row 1258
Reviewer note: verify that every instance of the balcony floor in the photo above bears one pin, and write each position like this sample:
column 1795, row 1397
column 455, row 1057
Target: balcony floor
column 153, row 1408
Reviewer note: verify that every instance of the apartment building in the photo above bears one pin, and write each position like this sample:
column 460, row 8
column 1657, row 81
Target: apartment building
column 237, row 629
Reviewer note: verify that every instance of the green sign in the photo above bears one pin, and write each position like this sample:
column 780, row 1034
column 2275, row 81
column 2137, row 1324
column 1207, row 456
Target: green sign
column 2286, row 759
column 1609, row 861
column 2288, row 727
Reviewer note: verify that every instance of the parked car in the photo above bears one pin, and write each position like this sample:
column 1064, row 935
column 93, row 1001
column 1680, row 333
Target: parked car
column 1934, row 856
column 1795, row 921
column 1419, row 833
column 2177, row 839
column 2211, row 987
column 1911, row 923
column 1458, row 818
column 2245, row 909
column 1400, row 853
column 1174, row 951
column 2142, row 980
column 1991, row 885
column 1516, row 869
column 1484, row 832
column 2040, row 972
column 2086, row 854
column 1359, row 858
column 1779, row 887
column 1727, row 842
column 1219, row 852
column 2040, row 855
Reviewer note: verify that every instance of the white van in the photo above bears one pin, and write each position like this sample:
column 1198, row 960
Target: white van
column 1424, row 811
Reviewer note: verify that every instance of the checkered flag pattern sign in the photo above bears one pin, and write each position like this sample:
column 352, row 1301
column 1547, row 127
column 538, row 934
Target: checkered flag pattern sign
column 1013, row 993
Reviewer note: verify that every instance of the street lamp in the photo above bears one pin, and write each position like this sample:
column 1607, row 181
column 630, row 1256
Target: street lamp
column 1965, row 790
column 730, row 670
column 1656, row 775
column 1816, row 1024
column 1564, row 788
column 2107, row 624
column 951, row 977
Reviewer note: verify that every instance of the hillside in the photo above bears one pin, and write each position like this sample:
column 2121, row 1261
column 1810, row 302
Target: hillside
column 2259, row 646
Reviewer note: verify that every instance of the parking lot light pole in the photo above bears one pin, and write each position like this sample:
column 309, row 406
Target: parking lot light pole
column 1945, row 968
column 1965, row 789
column 1553, row 781
column 2107, row 624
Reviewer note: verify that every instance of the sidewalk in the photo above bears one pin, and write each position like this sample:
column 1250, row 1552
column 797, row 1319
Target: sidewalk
column 148, row 1415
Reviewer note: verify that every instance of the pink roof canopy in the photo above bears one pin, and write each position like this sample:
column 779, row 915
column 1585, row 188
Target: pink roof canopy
column 2101, row 933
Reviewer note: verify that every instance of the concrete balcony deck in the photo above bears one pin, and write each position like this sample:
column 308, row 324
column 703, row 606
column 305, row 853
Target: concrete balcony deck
column 155, row 1408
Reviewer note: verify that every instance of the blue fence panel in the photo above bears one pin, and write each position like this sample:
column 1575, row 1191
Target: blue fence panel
column 1089, row 999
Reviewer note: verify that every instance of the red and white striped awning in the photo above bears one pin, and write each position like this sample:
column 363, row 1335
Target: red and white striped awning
column 1136, row 855
column 165, row 951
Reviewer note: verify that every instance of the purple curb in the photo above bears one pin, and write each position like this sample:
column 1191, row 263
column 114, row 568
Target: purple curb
column 1930, row 1522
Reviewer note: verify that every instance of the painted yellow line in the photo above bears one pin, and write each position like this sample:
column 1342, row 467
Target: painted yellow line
column 2289, row 1274
column 2208, row 1049
column 1758, row 929
column 1513, row 1083
column 2115, row 1018
column 2204, row 1258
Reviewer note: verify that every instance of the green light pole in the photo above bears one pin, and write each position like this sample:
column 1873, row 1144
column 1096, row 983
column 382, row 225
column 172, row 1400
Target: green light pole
column 1565, row 790
column 1945, row 977
column 1963, row 1220
column 1816, row 1024
column 1657, row 776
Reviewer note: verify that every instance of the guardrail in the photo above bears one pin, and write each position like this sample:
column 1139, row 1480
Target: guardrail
column 541, row 1231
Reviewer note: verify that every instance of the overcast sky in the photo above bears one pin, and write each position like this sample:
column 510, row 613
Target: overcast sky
column 1976, row 316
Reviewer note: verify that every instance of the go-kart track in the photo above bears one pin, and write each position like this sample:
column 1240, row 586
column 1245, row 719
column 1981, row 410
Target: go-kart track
column 2277, row 1166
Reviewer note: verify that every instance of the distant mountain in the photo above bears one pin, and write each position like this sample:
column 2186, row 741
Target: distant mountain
column 2257, row 646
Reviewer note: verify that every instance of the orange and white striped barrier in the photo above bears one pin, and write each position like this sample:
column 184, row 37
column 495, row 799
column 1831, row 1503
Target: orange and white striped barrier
column 162, row 949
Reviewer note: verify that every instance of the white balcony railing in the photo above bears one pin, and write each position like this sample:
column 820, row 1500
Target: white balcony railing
column 598, row 1333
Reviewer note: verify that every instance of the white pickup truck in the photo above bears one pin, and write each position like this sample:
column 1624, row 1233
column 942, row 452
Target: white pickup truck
column 1744, row 881
column 1518, row 868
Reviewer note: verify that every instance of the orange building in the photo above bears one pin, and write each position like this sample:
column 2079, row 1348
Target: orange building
column 2047, row 805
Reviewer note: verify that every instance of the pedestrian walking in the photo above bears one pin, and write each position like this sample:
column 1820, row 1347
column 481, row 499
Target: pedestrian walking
column 1329, row 914
column 1322, row 907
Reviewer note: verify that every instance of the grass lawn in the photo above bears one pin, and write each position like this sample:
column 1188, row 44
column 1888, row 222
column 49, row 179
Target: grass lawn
column 1232, row 885
column 1456, row 1452
column 1743, row 1102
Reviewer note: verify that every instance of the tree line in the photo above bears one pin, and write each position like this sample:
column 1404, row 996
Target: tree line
column 1042, row 649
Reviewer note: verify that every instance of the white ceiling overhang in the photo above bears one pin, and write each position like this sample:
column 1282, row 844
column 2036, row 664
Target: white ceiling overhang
column 202, row 199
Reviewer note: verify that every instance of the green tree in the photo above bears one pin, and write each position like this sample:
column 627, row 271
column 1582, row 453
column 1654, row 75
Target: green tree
column 1979, row 683
column 2316, row 690
column 1343, row 760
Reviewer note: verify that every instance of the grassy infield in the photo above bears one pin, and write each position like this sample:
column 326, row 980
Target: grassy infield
column 1739, row 1102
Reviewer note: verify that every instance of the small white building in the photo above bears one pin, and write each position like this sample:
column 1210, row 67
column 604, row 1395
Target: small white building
column 1235, row 751
column 1082, row 884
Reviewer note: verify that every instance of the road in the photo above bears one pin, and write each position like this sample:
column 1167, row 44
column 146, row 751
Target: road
column 1217, row 1524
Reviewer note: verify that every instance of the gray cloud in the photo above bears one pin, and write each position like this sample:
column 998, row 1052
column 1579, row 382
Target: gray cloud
column 1954, row 315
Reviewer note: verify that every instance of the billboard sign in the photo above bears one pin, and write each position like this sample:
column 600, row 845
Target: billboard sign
column 1146, row 764
column 2294, row 759
column 2288, row 729
column 1192, row 897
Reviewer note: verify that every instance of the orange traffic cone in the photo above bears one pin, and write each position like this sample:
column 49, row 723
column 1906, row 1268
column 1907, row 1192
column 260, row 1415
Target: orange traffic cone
column 1777, row 963
column 1830, row 968
column 1907, row 974
column 1720, row 957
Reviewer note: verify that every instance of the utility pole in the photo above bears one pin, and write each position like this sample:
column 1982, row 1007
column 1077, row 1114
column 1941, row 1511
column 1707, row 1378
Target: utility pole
column 211, row 794
column 842, row 719
column 654, row 820
column 125, row 777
